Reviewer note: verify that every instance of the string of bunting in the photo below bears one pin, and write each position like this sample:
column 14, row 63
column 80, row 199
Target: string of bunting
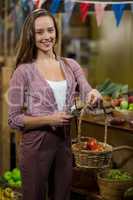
column 84, row 5
column 102, row 1
column 84, row 8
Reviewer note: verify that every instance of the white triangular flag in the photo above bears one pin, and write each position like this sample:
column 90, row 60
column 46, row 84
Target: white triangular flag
column 68, row 7
column 132, row 8
column 41, row 3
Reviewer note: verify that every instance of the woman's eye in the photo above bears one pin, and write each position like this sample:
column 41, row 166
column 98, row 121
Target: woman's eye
column 39, row 32
column 50, row 30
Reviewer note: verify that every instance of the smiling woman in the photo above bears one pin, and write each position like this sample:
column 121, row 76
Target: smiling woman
column 32, row 30
column 45, row 37
column 45, row 84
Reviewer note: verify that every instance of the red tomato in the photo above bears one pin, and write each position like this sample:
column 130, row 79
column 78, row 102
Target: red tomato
column 92, row 144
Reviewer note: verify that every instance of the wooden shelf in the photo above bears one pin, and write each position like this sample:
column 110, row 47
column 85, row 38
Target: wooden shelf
column 94, row 120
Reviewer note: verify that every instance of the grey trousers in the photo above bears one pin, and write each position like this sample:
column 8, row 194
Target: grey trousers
column 46, row 160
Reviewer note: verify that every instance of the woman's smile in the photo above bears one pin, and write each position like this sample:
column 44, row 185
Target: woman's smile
column 47, row 43
column 45, row 34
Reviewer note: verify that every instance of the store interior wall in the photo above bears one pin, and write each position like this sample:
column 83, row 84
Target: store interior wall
column 113, row 57
column 105, row 51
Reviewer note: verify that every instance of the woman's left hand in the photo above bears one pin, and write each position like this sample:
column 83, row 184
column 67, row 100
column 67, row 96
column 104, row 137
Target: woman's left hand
column 93, row 97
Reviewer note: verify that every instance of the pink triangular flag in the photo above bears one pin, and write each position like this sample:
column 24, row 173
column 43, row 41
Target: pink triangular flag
column 99, row 12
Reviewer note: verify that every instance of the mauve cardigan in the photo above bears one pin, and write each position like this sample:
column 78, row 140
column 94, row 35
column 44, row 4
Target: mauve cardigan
column 28, row 88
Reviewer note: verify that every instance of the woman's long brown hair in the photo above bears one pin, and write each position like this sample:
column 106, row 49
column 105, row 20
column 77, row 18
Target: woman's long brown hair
column 26, row 49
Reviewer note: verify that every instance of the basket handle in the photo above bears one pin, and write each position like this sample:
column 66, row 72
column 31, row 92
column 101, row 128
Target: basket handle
column 123, row 147
column 80, row 121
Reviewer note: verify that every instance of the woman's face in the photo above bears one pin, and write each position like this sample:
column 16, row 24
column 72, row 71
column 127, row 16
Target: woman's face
column 45, row 34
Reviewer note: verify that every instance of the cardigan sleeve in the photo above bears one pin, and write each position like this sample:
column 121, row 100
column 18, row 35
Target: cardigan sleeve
column 84, row 86
column 16, row 99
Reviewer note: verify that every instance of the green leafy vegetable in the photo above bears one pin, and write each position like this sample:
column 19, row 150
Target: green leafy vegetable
column 116, row 174
column 109, row 88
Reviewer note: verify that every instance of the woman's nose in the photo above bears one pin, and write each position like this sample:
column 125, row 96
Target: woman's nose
column 46, row 35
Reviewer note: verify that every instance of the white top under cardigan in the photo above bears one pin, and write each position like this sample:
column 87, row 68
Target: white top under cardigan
column 59, row 89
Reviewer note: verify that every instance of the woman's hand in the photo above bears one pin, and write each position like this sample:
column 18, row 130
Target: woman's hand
column 59, row 118
column 93, row 97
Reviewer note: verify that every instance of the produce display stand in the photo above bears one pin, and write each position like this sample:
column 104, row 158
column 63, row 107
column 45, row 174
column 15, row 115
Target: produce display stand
column 83, row 180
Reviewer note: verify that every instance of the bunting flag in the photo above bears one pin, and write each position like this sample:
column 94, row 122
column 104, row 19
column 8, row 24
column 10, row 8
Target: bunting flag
column 99, row 13
column 54, row 6
column 31, row 5
column 131, row 7
column 84, row 7
column 24, row 4
column 68, row 7
column 1, row 25
column 41, row 3
column 19, row 18
column 36, row 3
column 118, row 11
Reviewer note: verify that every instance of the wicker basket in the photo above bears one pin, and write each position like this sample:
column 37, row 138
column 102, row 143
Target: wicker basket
column 112, row 189
column 87, row 158
column 16, row 191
